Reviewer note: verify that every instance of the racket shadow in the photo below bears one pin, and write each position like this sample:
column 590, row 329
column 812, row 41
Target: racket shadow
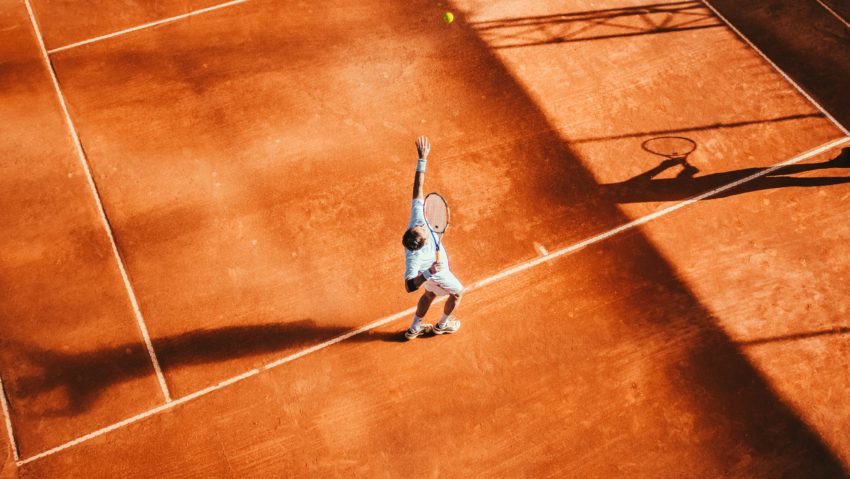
column 688, row 183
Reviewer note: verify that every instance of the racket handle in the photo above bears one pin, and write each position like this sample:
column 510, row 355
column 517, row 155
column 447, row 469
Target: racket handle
column 438, row 256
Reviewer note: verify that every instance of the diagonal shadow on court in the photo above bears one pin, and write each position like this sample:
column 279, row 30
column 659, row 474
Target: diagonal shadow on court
column 805, row 41
column 713, row 372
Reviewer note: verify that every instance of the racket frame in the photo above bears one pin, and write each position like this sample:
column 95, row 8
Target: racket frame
column 437, row 236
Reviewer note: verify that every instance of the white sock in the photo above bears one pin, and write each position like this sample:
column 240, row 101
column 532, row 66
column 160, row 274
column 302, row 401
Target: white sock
column 444, row 319
column 416, row 321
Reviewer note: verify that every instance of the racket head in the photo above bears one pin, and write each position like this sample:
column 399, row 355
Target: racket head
column 437, row 213
column 670, row 146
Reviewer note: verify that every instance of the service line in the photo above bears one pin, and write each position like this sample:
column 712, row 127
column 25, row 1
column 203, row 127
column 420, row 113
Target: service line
column 705, row 2
column 477, row 285
column 145, row 25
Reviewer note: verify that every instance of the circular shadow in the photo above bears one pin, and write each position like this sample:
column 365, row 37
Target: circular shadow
column 670, row 146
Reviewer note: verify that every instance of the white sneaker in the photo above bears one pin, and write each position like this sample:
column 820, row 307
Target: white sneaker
column 451, row 326
column 424, row 328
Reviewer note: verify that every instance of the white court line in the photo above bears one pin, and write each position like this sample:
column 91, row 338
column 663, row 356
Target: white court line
column 205, row 391
column 146, row 25
column 140, row 416
column 372, row 325
column 81, row 155
column 776, row 67
column 479, row 284
column 834, row 14
column 8, row 418
column 657, row 214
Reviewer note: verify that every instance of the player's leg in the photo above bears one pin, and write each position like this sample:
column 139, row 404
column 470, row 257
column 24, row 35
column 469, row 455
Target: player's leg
column 452, row 303
column 424, row 303
column 418, row 328
column 454, row 289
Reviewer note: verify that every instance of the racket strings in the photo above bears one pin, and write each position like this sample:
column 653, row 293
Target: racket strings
column 436, row 213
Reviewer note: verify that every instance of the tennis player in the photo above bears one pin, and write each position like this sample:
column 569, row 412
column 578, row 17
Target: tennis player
column 421, row 266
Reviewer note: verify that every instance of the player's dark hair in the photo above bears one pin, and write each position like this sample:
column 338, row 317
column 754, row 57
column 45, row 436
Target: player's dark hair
column 412, row 240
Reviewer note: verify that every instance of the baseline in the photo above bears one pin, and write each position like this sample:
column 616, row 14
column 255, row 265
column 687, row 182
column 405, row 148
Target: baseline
column 477, row 285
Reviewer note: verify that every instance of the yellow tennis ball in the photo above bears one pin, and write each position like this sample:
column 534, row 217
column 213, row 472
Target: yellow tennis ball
column 448, row 17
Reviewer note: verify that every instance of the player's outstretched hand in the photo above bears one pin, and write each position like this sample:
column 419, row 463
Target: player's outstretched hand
column 435, row 268
column 423, row 146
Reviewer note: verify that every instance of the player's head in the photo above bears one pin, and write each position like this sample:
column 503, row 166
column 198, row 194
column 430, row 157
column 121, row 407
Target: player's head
column 414, row 238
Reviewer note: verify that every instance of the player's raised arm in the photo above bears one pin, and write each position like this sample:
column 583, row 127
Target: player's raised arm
column 423, row 147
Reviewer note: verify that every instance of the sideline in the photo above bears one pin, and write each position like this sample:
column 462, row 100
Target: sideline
column 81, row 155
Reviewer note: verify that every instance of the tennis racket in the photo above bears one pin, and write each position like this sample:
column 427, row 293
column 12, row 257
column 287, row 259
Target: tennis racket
column 437, row 218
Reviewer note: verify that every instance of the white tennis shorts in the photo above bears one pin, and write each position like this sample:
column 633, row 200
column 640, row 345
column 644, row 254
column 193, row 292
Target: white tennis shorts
column 444, row 283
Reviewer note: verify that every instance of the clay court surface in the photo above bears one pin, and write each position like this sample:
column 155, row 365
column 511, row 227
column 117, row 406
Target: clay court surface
column 201, row 262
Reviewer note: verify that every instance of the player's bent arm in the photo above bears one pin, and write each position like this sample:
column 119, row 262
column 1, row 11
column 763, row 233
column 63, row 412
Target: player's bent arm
column 650, row 174
column 412, row 284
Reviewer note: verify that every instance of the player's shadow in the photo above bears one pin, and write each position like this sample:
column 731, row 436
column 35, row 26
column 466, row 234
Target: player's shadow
column 645, row 187
column 53, row 383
